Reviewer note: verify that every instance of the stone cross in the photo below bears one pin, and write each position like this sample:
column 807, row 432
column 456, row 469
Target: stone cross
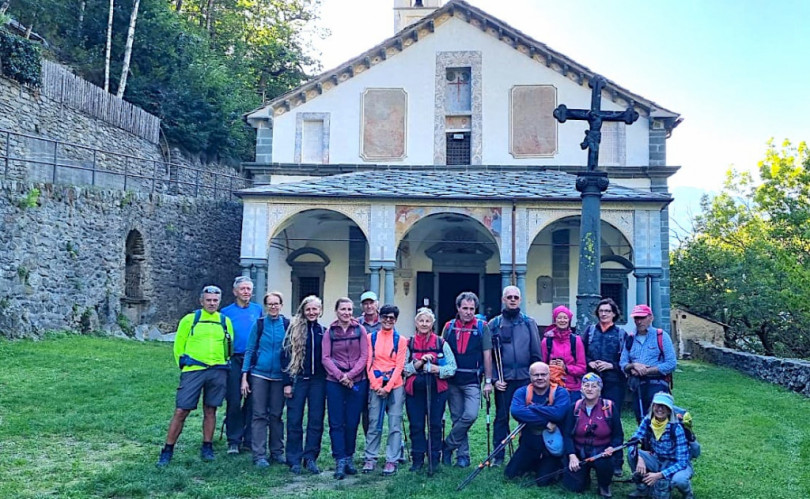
column 591, row 184
column 594, row 116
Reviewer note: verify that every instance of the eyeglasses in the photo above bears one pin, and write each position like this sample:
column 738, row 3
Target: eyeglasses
column 388, row 318
column 608, row 311
column 273, row 304
column 212, row 290
column 590, row 386
column 512, row 297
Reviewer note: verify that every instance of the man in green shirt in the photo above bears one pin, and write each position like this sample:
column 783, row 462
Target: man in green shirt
column 202, row 347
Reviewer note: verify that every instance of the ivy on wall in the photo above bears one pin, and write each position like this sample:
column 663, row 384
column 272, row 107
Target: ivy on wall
column 20, row 59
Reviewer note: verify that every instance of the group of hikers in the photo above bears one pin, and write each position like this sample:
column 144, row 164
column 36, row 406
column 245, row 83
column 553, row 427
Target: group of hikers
column 565, row 389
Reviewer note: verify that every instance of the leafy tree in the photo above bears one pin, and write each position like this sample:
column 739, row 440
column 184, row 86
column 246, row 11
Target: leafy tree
column 747, row 262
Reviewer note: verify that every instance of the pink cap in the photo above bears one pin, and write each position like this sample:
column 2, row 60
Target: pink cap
column 641, row 311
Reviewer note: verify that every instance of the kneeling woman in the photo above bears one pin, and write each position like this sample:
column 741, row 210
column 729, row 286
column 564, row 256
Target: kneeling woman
column 345, row 351
column 305, row 384
column 430, row 362
column 664, row 452
column 593, row 427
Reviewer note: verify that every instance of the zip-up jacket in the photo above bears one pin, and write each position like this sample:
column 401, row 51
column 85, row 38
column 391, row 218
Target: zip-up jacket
column 519, row 341
column 345, row 352
column 207, row 344
column 312, row 367
column 271, row 344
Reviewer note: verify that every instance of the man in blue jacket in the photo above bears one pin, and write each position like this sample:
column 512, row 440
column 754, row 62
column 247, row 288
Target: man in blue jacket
column 243, row 314
column 541, row 406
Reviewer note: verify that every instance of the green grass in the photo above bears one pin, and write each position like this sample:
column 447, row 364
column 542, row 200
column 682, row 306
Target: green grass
column 86, row 416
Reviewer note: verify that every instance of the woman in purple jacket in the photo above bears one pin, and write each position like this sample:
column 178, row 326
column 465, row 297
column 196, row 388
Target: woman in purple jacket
column 345, row 351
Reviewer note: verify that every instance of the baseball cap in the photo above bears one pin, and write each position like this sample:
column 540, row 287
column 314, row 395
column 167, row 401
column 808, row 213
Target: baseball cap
column 641, row 311
column 368, row 295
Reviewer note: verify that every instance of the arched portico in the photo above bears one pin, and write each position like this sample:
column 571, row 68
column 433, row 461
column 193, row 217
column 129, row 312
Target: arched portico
column 553, row 263
column 441, row 255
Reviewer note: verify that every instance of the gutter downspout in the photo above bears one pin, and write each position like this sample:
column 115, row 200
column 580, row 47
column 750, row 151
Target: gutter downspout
column 514, row 236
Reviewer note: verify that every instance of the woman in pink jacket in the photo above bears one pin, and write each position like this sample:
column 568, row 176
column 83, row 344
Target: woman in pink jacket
column 563, row 348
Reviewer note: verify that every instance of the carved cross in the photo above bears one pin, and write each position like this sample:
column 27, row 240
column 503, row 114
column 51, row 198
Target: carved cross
column 594, row 116
column 458, row 83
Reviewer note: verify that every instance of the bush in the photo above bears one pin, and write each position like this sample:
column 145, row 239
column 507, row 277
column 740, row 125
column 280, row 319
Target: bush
column 20, row 59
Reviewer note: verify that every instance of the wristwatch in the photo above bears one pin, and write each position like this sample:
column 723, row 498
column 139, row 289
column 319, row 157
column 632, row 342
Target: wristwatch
column 488, row 381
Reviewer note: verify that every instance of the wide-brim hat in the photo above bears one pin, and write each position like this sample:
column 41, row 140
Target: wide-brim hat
column 553, row 441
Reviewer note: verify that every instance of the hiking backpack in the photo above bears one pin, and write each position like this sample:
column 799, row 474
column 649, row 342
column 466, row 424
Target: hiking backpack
column 628, row 345
column 223, row 321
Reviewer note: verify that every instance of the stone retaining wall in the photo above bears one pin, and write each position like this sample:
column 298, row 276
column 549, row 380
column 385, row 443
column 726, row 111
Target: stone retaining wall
column 63, row 257
column 793, row 374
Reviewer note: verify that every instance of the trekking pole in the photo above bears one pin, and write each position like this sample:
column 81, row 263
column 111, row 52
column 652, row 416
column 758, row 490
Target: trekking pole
column 222, row 428
column 489, row 422
column 491, row 455
column 429, row 439
column 591, row 459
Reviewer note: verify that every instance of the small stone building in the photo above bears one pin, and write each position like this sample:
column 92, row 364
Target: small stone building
column 687, row 325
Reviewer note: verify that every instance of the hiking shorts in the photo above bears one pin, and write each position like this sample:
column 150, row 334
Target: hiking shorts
column 212, row 383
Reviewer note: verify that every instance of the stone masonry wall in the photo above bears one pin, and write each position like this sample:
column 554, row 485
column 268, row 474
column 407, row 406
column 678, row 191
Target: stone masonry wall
column 63, row 256
column 793, row 374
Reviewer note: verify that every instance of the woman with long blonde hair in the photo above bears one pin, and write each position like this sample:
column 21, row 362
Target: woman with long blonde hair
column 305, row 384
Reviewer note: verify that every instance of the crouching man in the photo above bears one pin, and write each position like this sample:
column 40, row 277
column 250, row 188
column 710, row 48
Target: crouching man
column 202, row 347
column 542, row 407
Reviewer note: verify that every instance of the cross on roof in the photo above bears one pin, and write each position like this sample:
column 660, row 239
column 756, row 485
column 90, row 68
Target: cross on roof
column 595, row 116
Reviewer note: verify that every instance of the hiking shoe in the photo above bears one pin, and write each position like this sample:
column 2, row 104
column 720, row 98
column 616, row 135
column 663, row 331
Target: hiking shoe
column 278, row 460
column 207, row 452
column 416, row 466
column 389, row 469
column 639, row 492
column 349, row 465
column 340, row 469
column 296, row 469
column 463, row 462
column 165, row 458
column 233, row 449
column 447, row 455
column 261, row 463
column 605, row 492
column 369, row 465
column 312, row 467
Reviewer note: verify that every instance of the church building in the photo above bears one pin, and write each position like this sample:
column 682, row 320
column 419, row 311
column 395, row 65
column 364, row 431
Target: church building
column 431, row 164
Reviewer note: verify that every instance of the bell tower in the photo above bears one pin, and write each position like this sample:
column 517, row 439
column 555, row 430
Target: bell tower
column 407, row 12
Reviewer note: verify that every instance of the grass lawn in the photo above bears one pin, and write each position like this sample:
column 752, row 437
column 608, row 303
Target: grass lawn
column 86, row 416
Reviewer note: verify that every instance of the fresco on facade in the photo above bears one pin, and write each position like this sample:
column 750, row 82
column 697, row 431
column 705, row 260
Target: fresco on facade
column 406, row 216
column 384, row 123
column 532, row 128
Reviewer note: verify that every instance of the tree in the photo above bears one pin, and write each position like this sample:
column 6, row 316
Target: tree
column 109, row 47
column 747, row 263
column 128, row 50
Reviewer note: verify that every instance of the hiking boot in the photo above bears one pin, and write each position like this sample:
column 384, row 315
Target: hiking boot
column 279, row 459
column 463, row 462
column 261, row 463
column 296, row 469
column 207, row 451
column 165, row 458
column 639, row 492
column 349, row 464
column 311, row 466
column 389, row 469
column 340, row 469
column 447, row 455
column 233, row 449
column 417, row 466
column 369, row 465
column 605, row 492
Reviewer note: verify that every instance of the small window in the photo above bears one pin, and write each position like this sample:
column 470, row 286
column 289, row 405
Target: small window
column 308, row 286
column 458, row 148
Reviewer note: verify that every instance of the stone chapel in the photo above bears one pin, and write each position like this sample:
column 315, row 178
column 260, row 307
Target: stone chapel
column 431, row 164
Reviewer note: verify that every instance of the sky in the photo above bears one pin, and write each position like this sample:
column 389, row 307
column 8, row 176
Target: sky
column 736, row 71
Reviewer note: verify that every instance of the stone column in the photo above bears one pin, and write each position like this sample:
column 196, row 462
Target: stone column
column 389, row 281
column 591, row 185
column 520, row 270
column 641, row 288
column 655, row 301
column 506, row 275
column 374, row 284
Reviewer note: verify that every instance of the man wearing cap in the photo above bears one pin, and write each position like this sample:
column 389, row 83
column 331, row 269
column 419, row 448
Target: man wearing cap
column 243, row 314
column 648, row 358
column 543, row 408
column 202, row 347
column 371, row 323
column 664, row 452
column 517, row 346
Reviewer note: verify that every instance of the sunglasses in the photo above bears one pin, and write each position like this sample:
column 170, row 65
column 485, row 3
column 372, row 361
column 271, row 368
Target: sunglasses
column 388, row 318
column 213, row 290
column 513, row 297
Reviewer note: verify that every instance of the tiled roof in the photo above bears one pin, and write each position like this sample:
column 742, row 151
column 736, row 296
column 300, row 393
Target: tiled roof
column 412, row 34
column 463, row 185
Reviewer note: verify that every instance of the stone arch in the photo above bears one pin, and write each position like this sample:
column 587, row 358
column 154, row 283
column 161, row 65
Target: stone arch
column 282, row 216
column 489, row 218
column 539, row 220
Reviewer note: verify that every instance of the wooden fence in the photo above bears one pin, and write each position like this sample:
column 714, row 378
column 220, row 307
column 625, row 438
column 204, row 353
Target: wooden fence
column 63, row 86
